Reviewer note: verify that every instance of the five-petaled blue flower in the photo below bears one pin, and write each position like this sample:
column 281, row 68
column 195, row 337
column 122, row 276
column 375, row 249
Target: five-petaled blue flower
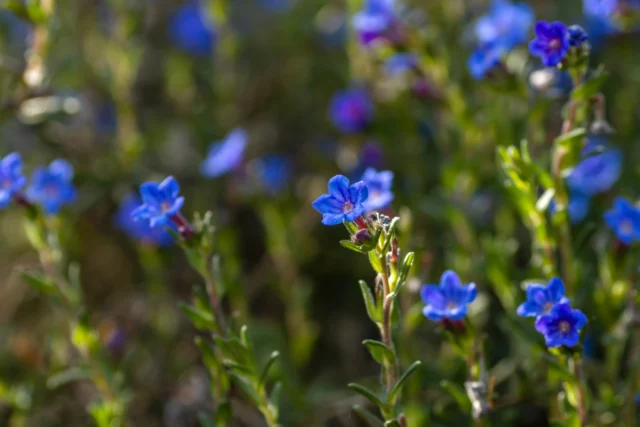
column 541, row 299
column 11, row 178
column 577, row 35
column 344, row 201
column 561, row 326
column 190, row 30
column 624, row 219
column 52, row 187
column 139, row 230
column 160, row 202
column 274, row 172
column 551, row 43
column 597, row 172
column 377, row 19
column 351, row 110
column 448, row 300
column 226, row 155
column 379, row 186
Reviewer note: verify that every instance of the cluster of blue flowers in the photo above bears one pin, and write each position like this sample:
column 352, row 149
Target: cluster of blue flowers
column 50, row 187
column 497, row 33
column 555, row 319
column 554, row 40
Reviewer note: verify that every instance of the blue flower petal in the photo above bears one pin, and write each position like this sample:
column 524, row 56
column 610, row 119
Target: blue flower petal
column 339, row 188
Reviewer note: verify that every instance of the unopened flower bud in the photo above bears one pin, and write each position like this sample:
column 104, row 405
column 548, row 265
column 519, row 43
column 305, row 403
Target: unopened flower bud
column 361, row 237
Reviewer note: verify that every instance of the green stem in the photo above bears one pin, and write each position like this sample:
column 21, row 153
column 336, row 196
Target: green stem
column 390, row 370
column 634, row 368
column 575, row 364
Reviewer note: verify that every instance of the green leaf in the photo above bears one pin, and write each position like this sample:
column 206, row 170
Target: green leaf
column 390, row 233
column 233, row 349
column 276, row 393
column 406, row 268
column 367, row 393
column 376, row 262
column 67, row 376
column 265, row 371
column 352, row 246
column 240, row 369
column 199, row 318
column 369, row 302
column 588, row 89
column 367, row 416
column 40, row 283
column 244, row 339
column 398, row 387
column 35, row 12
column 219, row 378
column 570, row 144
column 246, row 387
column 458, row 393
column 380, row 352
column 392, row 423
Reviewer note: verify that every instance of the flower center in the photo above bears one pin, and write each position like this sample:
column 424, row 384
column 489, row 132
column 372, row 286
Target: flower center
column 626, row 227
column 348, row 207
column 451, row 305
column 547, row 307
column 555, row 44
column 6, row 184
column 564, row 326
column 164, row 206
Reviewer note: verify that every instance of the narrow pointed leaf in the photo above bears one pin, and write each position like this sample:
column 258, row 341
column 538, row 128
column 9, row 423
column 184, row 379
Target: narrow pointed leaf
column 367, row 416
column 458, row 394
column 369, row 302
column 199, row 318
column 265, row 371
column 398, row 387
column 380, row 352
column 367, row 393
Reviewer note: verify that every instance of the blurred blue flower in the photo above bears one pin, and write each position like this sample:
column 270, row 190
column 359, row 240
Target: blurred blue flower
column 274, row 172
column 561, row 326
column 608, row 17
column 351, row 110
column 400, row 63
column 160, row 202
column 276, row 6
column 577, row 35
column 448, row 300
column 191, row 31
column 484, row 59
column 344, row 201
column 379, row 186
column 139, row 230
column 52, row 187
column 226, row 155
column 541, row 299
column 551, row 43
column 376, row 20
column 596, row 173
column 11, row 178
column 578, row 206
column 506, row 25
column 624, row 220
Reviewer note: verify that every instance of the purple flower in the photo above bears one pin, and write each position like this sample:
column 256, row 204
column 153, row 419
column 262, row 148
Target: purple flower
column 541, row 299
column 160, row 202
column 561, row 326
column 624, row 219
column 596, row 173
column 577, row 35
column 11, row 178
column 226, row 155
column 190, row 30
column 139, row 230
column 551, row 43
column 484, row 59
column 344, row 201
column 379, row 186
column 506, row 25
column 351, row 110
column 376, row 20
column 448, row 300
column 52, row 187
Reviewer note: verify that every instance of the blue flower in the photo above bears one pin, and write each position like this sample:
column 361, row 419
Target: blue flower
column 351, row 110
column 578, row 207
column 448, row 300
column 541, row 299
column 226, row 155
column 400, row 63
column 561, row 326
column 379, row 186
column 11, row 178
column 276, row 6
column 608, row 17
column 376, row 20
column 551, row 43
column 274, row 172
column 344, row 201
column 139, row 230
column 577, row 35
column 190, row 30
column 484, row 59
column 624, row 219
column 52, row 187
column 160, row 202
column 596, row 173
column 506, row 25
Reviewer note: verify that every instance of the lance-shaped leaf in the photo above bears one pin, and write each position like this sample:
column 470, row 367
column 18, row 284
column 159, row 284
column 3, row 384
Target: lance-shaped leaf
column 265, row 371
column 219, row 378
column 390, row 233
column 246, row 386
column 458, row 393
column 376, row 262
column 380, row 352
column 367, row 393
column 370, row 303
column 40, row 283
column 568, row 148
column 588, row 89
column 393, row 394
column 199, row 318
column 367, row 416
